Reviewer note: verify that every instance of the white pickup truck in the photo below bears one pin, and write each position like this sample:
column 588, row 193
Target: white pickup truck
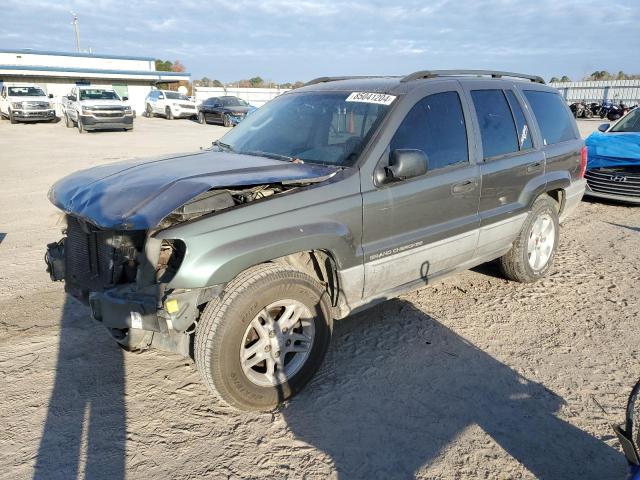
column 94, row 108
column 26, row 103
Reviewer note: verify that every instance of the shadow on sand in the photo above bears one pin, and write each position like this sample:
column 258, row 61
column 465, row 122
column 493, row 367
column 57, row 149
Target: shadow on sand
column 84, row 434
column 395, row 392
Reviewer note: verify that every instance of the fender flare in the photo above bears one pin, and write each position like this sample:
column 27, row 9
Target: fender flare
column 223, row 262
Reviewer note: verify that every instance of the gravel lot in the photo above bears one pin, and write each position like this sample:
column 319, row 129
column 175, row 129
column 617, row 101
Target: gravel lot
column 473, row 377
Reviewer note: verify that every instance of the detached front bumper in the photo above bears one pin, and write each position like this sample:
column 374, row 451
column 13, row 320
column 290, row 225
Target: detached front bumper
column 90, row 122
column 34, row 115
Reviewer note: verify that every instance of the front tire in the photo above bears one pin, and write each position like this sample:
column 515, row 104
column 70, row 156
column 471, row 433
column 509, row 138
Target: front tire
column 12, row 118
column 168, row 113
column 226, row 121
column 148, row 111
column 201, row 118
column 67, row 121
column 264, row 338
column 81, row 128
column 533, row 251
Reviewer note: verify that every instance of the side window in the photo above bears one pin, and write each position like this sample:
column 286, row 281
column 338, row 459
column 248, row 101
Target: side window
column 497, row 130
column 556, row 125
column 524, row 133
column 436, row 126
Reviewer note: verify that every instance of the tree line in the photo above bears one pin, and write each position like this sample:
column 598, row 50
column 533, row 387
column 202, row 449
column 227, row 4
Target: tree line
column 600, row 75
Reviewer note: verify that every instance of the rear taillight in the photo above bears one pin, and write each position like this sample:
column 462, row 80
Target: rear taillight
column 583, row 162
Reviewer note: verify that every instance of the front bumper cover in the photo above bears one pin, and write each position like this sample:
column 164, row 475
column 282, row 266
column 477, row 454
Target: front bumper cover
column 34, row 115
column 89, row 122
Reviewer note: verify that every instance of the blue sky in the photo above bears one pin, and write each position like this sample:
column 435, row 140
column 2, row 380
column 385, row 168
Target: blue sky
column 288, row 40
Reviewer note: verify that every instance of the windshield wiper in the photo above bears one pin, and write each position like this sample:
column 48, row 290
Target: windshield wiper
column 222, row 145
column 276, row 156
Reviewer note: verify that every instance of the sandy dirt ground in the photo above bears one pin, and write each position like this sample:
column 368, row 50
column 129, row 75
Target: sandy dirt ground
column 472, row 377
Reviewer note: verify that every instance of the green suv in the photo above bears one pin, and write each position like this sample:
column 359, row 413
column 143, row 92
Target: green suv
column 329, row 199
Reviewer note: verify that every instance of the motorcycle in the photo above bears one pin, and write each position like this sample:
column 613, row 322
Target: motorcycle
column 616, row 112
column 578, row 109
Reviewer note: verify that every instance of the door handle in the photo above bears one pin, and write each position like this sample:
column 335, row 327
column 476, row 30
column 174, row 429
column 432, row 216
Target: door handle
column 534, row 167
column 464, row 187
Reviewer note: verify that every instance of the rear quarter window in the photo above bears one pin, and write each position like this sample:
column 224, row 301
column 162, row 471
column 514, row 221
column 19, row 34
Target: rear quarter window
column 552, row 115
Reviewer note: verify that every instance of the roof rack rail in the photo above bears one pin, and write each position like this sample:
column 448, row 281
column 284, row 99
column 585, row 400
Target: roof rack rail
column 423, row 74
column 335, row 79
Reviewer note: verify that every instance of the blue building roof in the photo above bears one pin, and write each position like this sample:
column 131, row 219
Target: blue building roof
column 147, row 73
column 28, row 51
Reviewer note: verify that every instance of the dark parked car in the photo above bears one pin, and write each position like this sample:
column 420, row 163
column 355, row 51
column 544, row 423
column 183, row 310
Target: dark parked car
column 227, row 110
column 613, row 169
column 327, row 200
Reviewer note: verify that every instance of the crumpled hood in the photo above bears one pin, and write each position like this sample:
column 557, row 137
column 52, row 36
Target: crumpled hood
column 613, row 149
column 137, row 195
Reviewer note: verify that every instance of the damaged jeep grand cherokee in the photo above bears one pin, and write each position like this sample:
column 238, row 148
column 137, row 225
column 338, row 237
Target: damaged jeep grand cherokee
column 327, row 200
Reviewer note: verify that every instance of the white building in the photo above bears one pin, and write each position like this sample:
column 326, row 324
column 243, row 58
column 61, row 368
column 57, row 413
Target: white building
column 57, row 72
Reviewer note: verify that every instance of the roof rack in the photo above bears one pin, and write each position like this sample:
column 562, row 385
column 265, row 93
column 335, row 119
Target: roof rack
column 423, row 74
column 335, row 79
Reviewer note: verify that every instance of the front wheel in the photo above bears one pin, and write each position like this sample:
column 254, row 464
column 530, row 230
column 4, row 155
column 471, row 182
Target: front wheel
column 168, row 113
column 534, row 249
column 226, row 121
column 201, row 119
column 12, row 118
column 81, row 128
column 148, row 111
column 263, row 340
column 67, row 121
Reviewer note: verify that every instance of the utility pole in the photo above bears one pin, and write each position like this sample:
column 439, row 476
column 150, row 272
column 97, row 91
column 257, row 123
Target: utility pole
column 76, row 30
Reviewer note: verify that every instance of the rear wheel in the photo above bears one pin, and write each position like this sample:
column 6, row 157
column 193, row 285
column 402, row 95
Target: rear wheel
column 534, row 249
column 263, row 340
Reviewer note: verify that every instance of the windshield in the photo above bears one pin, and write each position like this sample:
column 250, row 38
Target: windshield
column 175, row 96
column 316, row 127
column 233, row 102
column 98, row 94
column 26, row 92
column 630, row 123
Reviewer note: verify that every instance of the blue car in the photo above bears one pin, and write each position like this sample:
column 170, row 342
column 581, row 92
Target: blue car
column 613, row 168
column 629, row 433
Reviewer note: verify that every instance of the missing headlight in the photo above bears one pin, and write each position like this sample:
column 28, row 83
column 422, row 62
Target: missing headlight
column 171, row 256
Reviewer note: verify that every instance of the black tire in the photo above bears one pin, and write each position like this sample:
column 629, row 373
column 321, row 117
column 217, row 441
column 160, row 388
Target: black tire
column 168, row 113
column 67, row 121
column 515, row 263
column 225, row 320
column 81, row 128
column 201, row 118
column 149, row 111
column 632, row 424
column 12, row 119
column 226, row 121
column 587, row 113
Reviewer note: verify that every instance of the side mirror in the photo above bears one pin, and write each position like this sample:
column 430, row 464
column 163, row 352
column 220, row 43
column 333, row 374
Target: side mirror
column 217, row 105
column 50, row 95
column 405, row 164
column 124, row 99
column 160, row 97
column 604, row 127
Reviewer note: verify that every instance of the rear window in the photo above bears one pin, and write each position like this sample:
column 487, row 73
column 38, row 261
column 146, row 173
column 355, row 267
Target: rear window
column 497, row 130
column 556, row 125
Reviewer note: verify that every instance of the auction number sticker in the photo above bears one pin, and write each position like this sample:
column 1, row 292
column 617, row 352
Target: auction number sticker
column 366, row 97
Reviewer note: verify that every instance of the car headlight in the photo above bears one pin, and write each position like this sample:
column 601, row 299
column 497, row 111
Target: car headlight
column 127, row 109
column 16, row 104
column 86, row 109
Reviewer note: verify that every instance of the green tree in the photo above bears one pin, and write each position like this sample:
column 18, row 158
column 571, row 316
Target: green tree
column 554, row 79
column 256, row 81
column 565, row 79
column 164, row 65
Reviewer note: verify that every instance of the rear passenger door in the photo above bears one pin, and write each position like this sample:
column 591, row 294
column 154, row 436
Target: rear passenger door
column 511, row 163
column 417, row 228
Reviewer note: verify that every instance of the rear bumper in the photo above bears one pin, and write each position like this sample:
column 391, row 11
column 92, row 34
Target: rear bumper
column 89, row 122
column 573, row 195
column 34, row 115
